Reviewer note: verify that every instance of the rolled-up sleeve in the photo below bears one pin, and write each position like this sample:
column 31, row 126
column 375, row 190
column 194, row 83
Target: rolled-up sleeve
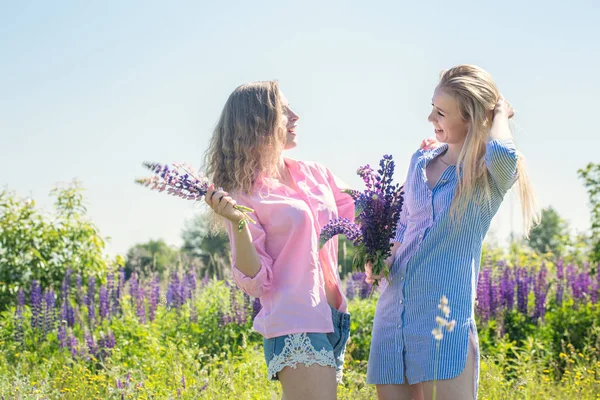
column 501, row 160
column 261, row 283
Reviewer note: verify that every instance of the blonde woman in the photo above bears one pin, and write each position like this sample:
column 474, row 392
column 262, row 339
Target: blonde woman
column 303, row 318
column 453, row 190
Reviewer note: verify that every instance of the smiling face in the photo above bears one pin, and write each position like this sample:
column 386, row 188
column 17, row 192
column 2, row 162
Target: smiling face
column 291, row 122
column 449, row 125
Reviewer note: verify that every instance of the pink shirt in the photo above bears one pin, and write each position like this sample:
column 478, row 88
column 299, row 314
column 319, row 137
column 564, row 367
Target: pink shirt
column 293, row 274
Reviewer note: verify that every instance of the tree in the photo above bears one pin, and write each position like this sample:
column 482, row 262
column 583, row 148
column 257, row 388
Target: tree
column 152, row 257
column 591, row 177
column 551, row 235
column 210, row 249
column 39, row 246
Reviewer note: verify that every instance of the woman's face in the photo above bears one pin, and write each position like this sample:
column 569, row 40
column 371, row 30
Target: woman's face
column 291, row 122
column 445, row 116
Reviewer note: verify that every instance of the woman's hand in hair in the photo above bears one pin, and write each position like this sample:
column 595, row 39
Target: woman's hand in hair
column 503, row 108
column 223, row 204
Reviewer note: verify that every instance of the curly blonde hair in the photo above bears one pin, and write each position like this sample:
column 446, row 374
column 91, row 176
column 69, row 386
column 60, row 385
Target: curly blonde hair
column 477, row 95
column 248, row 139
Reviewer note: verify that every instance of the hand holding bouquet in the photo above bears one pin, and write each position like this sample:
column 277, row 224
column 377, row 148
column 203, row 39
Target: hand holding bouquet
column 182, row 181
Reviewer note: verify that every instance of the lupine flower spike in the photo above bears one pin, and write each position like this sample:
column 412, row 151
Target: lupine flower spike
column 182, row 181
column 377, row 210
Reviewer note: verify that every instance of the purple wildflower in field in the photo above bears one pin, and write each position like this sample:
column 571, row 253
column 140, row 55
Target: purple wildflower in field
column 19, row 320
column 104, row 303
column 36, row 305
column 484, row 294
column 573, row 282
column 79, row 289
column 192, row 281
column 141, row 304
column 62, row 334
column 49, row 311
column 66, row 283
column 540, row 290
column 560, row 281
column 357, row 287
column 92, row 346
column 507, row 288
column 133, row 288
column 154, row 297
column 90, row 300
column 595, row 286
column 73, row 346
column 522, row 289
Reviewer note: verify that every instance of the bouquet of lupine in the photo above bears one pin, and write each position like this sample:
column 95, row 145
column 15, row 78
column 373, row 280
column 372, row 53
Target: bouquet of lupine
column 376, row 217
column 182, row 181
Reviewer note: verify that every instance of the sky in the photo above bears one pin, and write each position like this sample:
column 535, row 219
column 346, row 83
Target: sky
column 89, row 90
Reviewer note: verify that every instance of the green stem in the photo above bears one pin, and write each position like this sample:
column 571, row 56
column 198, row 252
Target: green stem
column 437, row 354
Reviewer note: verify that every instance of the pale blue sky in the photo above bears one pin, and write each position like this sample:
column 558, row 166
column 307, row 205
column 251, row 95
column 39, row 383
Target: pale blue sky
column 91, row 91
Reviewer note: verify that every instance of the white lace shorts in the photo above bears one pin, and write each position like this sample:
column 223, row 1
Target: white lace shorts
column 326, row 349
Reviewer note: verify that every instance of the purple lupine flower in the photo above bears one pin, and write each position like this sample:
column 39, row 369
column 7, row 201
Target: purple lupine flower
column 19, row 329
column 540, row 291
column 572, row 281
column 104, row 303
column 192, row 281
column 73, row 346
column 341, row 226
column 116, row 294
column 79, row 285
column 49, row 311
column 494, row 297
column 560, row 278
column 91, row 344
column 36, row 305
column 70, row 313
column 133, row 288
column 358, row 287
column 141, row 304
column 483, row 294
column 154, row 297
column 256, row 307
column 183, row 381
column 377, row 210
column 522, row 290
column 184, row 289
column 595, row 286
column 110, row 289
column 186, row 184
column 62, row 334
column 507, row 288
column 119, row 384
column 173, row 294
column 66, row 283
column 90, row 300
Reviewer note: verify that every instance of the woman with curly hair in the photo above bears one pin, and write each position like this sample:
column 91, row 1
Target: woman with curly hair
column 304, row 319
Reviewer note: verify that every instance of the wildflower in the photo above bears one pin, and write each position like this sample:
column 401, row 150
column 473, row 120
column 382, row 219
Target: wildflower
column 183, row 182
column 377, row 210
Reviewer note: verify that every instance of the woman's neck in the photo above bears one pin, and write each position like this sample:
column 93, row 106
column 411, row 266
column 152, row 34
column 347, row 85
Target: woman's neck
column 452, row 154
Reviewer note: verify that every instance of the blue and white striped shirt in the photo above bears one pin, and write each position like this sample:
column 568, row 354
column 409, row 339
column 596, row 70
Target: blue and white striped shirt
column 438, row 256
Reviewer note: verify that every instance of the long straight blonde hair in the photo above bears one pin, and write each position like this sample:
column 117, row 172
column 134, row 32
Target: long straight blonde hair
column 477, row 94
column 248, row 139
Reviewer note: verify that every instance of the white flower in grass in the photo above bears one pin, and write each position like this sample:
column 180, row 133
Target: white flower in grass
column 442, row 322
